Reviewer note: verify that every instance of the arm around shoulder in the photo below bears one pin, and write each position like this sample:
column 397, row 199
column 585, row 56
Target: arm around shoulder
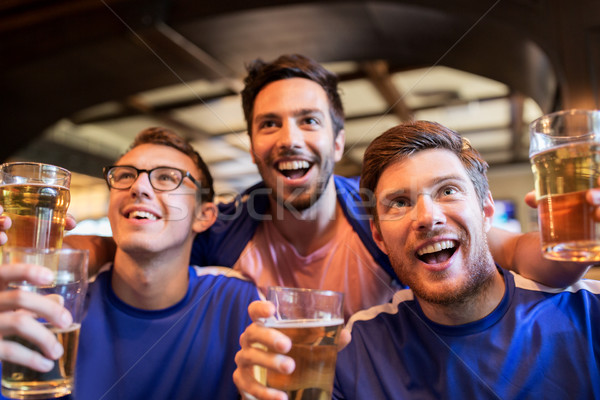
column 521, row 253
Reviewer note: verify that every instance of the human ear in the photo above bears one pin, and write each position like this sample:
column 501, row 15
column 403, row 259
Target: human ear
column 252, row 151
column 338, row 145
column 377, row 237
column 205, row 217
column 488, row 211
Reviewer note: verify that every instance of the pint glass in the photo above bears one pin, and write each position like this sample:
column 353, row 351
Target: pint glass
column 36, row 197
column 565, row 158
column 312, row 319
column 70, row 269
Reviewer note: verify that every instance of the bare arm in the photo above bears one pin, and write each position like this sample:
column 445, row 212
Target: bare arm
column 102, row 249
column 521, row 252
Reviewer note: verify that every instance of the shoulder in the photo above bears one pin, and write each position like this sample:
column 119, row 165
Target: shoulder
column 376, row 314
column 575, row 306
column 255, row 192
column 236, row 223
column 219, row 271
column 346, row 184
column 225, row 278
column 583, row 286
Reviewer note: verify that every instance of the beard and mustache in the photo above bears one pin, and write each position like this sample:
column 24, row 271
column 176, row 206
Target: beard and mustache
column 477, row 275
column 296, row 199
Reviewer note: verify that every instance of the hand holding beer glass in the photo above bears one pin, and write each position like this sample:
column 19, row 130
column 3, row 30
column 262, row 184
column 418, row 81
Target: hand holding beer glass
column 69, row 287
column 36, row 197
column 565, row 159
column 312, row 319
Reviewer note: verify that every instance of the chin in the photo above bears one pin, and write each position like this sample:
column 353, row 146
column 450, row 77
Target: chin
column 441, row 297
column 302, row 202
column 135, row 245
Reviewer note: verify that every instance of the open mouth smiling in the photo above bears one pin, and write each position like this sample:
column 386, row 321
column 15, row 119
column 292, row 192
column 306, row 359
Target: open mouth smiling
column 293, row 169
column 438, row 252
column 138, row 214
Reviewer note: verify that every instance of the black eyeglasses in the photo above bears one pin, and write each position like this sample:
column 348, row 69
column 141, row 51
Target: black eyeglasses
column 163, row 179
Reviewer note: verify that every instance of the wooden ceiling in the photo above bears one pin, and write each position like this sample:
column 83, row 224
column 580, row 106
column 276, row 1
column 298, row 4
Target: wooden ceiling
column 59, row 57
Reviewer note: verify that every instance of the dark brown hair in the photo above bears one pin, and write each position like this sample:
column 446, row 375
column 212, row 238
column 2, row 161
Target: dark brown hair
column 289, row 66
column 166, row 137
column 406, row 139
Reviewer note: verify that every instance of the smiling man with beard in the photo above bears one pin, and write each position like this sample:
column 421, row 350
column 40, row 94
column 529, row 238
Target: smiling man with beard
column 432, row 219
column 302, row 226
column 466, row 328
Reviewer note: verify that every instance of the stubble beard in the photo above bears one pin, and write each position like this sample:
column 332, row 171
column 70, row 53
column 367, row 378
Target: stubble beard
column 299, row 199
column 477, row 270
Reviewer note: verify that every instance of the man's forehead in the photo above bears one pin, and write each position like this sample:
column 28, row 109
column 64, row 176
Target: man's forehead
column 299, row 93
column 152, row 155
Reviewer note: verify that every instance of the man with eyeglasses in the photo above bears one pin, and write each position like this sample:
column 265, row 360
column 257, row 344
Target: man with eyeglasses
column 155, row 327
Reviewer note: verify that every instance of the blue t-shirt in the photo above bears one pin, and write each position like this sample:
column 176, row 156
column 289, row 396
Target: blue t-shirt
column 183, row 352
column 538, row 343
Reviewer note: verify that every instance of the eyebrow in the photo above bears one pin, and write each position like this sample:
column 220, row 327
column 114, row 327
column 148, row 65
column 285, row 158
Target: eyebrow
column 308, row 111
column 297, row 113
column 266, row 116
column 435, row 182
column 451, row 177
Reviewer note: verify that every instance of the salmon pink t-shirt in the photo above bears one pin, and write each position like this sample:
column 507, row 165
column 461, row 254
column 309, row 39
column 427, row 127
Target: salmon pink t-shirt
column 343, row 264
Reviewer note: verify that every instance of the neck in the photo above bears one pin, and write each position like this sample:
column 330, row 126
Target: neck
column 469, row 309
column 151, row 281
column 310, row 229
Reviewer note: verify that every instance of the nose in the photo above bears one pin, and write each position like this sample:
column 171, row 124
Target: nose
column 141, row 186
column 290, row 136
column 427, row 213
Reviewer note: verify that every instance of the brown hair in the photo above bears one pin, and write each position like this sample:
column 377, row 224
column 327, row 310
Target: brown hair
column 166, row 137
column 289, row 66
column 406, row 139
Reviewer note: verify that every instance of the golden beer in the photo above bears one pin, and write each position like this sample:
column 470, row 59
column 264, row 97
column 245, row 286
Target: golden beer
column 314, row 349
column 37, row 212
column 19, row 382
column 562, row 177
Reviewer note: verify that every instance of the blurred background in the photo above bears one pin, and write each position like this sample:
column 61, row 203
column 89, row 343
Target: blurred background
column 80, row 78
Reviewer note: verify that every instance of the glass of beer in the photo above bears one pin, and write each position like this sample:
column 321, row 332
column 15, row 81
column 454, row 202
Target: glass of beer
column 36, row 197
column 312, row 319
column 565, row 159
column 70, row 282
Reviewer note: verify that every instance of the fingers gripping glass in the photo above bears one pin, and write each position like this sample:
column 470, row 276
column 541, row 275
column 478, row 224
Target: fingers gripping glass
column 163, row 179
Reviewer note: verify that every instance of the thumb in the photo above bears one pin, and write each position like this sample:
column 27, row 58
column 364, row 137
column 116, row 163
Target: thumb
column 530, row 199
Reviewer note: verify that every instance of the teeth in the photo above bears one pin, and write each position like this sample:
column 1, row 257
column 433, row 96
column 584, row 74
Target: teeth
column 142, row 214
column 433, row 248
column 293, row 165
